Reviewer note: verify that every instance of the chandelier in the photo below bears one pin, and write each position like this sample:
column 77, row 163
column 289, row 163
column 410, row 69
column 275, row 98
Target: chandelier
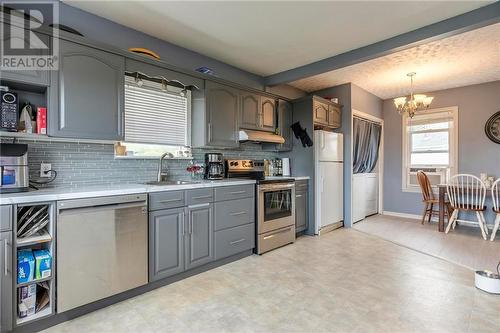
column 415, row 102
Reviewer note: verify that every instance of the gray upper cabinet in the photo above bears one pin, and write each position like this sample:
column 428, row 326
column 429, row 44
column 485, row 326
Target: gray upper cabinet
column 320, row 113
column 334, row 116
column 37, row 77
column 166, row 243
column 251, row 110
column 222, row 104
column 268, row 115
column 199, row 243
column 6, row 283
column 285, row 119
column 91, row 94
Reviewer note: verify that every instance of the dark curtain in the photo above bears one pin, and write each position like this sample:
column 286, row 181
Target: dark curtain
column 366, row 144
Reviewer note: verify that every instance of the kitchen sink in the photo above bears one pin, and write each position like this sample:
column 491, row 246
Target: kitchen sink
column 170, row 182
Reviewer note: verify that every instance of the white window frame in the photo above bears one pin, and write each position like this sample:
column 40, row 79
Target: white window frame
column 451, row 170
column 168, row 148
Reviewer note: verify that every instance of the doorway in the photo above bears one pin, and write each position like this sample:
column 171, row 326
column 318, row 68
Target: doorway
column 367, row 169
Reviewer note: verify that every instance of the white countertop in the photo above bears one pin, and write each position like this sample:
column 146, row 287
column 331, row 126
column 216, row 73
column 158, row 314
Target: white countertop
column 55, row 194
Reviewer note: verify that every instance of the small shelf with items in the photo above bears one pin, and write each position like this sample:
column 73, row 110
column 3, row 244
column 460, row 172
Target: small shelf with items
column 35, row 262
column 28, row 103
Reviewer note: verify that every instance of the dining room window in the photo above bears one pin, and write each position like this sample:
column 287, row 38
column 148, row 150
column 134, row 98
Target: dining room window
column 430, row 143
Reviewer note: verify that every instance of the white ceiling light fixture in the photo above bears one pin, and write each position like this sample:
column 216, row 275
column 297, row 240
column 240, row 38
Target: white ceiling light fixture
column 415, row 102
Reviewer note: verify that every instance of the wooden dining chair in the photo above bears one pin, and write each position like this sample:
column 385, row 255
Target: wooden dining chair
column 467, row 193
column 495, row 197
column 429, row 199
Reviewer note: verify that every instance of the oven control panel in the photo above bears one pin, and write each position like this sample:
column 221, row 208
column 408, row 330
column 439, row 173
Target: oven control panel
column 244, row 165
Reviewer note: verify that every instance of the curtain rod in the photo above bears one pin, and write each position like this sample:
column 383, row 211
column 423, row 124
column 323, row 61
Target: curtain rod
column 367, row 120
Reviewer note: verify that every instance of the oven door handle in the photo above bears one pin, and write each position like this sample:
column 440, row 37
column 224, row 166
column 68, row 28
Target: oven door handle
column 275, row 187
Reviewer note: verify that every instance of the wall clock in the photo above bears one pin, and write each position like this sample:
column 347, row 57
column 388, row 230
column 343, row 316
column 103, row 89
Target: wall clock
column 492, row 128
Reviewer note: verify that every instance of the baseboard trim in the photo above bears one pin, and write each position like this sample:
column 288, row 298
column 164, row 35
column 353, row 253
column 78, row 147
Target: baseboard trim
column 403, row 215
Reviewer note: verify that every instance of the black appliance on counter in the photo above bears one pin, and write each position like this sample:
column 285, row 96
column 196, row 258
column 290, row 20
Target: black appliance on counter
column 9, row 110
column 214, row 166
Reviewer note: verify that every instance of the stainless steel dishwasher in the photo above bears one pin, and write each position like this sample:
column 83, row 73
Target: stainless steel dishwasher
column 102, row 248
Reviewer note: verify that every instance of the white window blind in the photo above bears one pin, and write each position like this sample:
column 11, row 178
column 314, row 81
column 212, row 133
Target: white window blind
column 154, row 115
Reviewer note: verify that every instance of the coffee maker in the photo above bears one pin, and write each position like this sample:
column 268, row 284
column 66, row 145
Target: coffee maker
column 214, row 166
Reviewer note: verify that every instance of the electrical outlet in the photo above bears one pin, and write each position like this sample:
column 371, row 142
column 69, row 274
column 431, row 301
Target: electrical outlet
column 44, row 167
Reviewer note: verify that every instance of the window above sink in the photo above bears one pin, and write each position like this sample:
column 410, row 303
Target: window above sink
column 157, row 119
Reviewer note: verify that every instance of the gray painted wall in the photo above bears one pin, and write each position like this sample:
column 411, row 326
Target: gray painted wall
column 287, row 91
column 351, row 97
column 366, row 102
column 477, row 153
column 87, row 164
column 102, row 30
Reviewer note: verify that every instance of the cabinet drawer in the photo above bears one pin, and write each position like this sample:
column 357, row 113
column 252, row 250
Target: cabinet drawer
column 234, row 240
column 165, row 200
column 301, row 185
column 234, row 192
column 5, row 218
column 233, row 213
column 200, row 196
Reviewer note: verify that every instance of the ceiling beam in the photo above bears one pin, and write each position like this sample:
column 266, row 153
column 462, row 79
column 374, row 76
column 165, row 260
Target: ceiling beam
column 474, row 19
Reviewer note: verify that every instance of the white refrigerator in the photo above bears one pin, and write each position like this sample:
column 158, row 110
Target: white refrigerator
column 329, row 178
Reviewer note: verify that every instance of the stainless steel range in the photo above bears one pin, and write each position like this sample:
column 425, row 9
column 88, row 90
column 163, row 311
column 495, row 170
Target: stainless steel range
column 275, row 206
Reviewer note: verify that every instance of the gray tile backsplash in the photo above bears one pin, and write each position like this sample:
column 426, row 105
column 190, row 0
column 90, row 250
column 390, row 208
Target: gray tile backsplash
column 83, row 164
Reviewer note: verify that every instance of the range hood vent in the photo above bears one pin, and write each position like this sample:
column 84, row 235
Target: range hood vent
column 260, row 136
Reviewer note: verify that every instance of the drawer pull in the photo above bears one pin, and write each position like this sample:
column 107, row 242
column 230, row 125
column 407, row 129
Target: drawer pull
column 277, row 233
column 169, row 200
column 202, row 197
column 238, row 192
column 237, row 241
column 298, row 195
column 237, row 213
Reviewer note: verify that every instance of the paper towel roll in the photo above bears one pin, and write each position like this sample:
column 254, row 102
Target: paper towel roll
column 286, row 166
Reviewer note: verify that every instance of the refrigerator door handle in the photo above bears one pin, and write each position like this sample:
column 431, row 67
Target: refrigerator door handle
column 322, row 139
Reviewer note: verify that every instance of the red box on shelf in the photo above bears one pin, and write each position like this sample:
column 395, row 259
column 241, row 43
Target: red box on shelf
column 41, row 120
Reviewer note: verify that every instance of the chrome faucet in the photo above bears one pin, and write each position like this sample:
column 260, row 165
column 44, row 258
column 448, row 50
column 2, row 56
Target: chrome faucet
column 162, row 176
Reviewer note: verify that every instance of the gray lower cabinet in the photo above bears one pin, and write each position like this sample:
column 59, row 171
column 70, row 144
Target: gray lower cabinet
column 234, row 240
column 15, row 37
column 91, row 94
column 199, row 242
column 200, row 231
column 301, row 206
column 222, row 103
column 166, row 243
column 6, row 283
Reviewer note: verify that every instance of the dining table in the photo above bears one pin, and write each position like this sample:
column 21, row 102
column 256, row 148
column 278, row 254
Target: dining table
column 442, row 198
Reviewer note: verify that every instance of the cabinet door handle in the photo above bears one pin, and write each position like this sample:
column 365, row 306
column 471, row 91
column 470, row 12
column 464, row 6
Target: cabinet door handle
column 202, row 197
column 169, row 200
column 209, row 132
column 237, row 241
column 6, row 258
column 183, row 226
column 237, row 192
column 237, row 213
column 298, row 195
column 190, row 226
